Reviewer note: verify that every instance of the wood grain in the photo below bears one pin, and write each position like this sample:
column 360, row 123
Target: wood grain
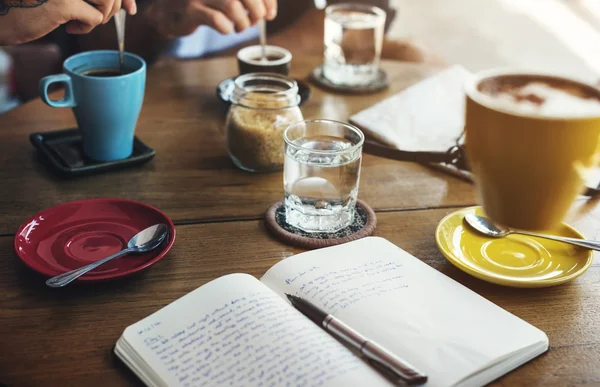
column 192, row 178
column 66, row 336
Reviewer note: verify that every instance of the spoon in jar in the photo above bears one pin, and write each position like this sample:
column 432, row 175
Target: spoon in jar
column 488, row 227
column 144, row 241
column 120, row 25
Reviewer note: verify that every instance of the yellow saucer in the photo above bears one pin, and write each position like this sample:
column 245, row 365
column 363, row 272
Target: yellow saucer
column 515, row 260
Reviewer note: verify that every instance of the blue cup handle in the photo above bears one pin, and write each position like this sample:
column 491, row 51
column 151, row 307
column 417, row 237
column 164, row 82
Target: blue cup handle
column 69, row 98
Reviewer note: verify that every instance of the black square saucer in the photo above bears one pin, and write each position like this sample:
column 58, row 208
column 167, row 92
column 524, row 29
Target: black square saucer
column 62, row 151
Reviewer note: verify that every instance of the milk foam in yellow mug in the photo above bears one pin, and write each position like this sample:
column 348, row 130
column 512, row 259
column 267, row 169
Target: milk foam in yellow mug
column 531, row 138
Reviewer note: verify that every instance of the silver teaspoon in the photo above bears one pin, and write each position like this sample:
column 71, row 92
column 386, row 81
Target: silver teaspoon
column 263, row 40
column 488, row 227
column 120, row 25
column 142, row 242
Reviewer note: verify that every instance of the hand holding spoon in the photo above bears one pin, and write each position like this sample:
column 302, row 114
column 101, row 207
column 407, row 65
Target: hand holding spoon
column 120, row 24
column 142, row 242
column 488, row 227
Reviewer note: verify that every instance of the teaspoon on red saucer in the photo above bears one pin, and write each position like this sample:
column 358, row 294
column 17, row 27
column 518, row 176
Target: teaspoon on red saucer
column 144, row 241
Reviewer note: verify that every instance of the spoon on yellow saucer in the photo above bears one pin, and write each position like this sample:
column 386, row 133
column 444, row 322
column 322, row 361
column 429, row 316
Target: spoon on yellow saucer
column 487, row 227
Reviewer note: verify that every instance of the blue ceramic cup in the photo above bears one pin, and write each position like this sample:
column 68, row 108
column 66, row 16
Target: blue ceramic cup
column 106, row 107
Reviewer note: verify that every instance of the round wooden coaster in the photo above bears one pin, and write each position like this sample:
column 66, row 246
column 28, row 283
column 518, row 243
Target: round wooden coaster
column 363, row 226
column 379, row 84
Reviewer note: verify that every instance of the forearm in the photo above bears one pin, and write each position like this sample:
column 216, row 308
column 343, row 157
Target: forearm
column 15, row 19
column 9, row 31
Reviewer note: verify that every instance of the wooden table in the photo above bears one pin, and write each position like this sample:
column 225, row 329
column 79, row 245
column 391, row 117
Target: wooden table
column 192, row 178
column 66, row 337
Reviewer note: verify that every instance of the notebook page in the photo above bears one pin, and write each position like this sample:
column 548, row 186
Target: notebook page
column 432, row 321
column 235, row 331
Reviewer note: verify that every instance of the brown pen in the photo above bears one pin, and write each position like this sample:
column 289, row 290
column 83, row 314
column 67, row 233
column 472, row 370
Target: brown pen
column 396, row 369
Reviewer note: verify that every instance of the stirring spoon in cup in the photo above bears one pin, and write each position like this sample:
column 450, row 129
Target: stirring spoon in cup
column 487, row 227
column 120, row 25
column 144, row 241
column 263, row 40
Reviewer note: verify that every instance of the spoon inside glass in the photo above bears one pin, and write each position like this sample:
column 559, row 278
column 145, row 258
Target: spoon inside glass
column 142, row 242
column 487, row 227
column 120, row 24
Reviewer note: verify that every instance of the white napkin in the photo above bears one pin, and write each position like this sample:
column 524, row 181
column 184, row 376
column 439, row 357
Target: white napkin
column 428, row 116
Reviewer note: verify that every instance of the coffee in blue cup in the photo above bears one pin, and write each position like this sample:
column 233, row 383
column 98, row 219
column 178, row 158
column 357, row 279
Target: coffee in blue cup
column 106, row 103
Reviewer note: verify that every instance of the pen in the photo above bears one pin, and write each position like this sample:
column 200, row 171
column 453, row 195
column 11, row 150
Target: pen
column 388, row 363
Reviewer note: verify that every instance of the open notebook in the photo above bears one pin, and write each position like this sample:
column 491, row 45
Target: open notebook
column 239, row 331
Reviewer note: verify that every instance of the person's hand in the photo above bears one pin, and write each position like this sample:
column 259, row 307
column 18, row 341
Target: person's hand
column 182, row 17
column 130, row 6
column 108, row 8
column 26, row 20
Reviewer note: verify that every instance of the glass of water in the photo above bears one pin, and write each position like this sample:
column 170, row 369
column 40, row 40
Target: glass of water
column 321, row 174
column 353, row 41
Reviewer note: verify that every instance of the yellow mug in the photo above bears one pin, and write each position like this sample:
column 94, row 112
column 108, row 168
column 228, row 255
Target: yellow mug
column 529, row 165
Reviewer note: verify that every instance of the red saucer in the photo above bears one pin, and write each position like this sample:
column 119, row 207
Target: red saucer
column 72, row 235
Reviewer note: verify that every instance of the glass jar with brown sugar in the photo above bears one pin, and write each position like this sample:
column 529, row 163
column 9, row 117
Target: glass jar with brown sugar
column 263, row 105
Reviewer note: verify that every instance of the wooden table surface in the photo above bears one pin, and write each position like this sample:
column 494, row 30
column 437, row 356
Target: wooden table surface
column 192, row 178
column 65, row 337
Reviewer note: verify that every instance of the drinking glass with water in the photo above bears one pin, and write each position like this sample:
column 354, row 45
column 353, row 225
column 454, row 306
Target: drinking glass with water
column 353, row 42
column 321, row 174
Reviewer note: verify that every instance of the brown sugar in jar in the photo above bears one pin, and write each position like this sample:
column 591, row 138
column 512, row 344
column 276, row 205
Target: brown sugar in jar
column 263, row 105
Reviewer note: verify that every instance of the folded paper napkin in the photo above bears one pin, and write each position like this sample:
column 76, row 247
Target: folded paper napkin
column 426, row 117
